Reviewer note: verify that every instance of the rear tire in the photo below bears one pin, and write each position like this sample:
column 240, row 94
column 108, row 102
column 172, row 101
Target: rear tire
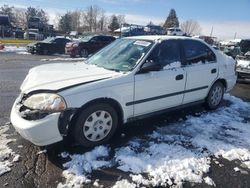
column 95, row 125
column 215, row 96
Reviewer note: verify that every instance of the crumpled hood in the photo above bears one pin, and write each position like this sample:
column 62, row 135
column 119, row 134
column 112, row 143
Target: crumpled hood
column 244, row 63
column 60, row 75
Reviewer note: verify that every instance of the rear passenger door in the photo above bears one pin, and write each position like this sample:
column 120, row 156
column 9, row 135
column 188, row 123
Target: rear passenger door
column 158, row 90
column 201, row 68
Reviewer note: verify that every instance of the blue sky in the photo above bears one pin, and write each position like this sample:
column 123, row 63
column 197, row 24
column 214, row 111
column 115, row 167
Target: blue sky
column 232, row 14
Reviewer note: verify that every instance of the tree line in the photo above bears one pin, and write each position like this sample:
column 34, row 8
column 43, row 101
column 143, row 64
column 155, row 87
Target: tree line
column 90, row 19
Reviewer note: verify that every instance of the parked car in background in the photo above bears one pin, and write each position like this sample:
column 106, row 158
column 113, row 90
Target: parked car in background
column 245, row 45
column 33, row 34
column 87, row 45
column 243, row 66
column 1, row 46
column 131, row 78
column 48, row 46
column 175, row 31
column 232, row 51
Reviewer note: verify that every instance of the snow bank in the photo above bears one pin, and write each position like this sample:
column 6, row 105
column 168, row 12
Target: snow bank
column 5, row 152
column 177, row 152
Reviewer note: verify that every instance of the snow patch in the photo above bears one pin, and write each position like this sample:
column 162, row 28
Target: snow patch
column 209, row 181
column 79, row 168
column 172, row 65
column 13, row 49
column 23, row 53
column 5, row 152
column 124, row 184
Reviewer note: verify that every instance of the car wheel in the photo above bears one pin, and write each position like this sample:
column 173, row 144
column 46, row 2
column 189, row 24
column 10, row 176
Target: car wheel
column 84, row 53
column 215, row 96
column 95, row 125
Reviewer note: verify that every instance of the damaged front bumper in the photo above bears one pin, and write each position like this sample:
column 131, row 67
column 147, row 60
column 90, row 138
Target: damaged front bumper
column 41, row 131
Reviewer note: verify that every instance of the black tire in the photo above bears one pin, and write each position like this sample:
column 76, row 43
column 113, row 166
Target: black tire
column 82, row 134
column 84, row 53
column 215, row 96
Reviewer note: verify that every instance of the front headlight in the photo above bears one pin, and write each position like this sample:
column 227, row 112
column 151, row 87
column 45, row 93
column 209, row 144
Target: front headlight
column 48, row 102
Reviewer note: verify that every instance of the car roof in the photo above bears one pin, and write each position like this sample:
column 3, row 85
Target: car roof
column 160, row 37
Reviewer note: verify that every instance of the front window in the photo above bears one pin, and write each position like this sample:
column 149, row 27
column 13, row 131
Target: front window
column 121, row 55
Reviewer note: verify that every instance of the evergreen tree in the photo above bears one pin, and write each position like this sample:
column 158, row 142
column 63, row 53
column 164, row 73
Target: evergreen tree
column 114, row 23
column 172, row 20
column 40, row 13
column 65, row 22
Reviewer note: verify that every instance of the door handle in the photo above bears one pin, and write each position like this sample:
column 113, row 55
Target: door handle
column 179, row 77
column 213, row 71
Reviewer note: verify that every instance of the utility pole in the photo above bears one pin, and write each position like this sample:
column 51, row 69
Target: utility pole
column 235, row 34
column 212, row 30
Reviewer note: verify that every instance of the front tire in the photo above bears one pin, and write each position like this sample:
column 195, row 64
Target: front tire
column 95, row 125
column 84, row 53
column 215, row 96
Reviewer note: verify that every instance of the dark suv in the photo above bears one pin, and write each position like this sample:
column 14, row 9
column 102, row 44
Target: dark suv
column 87, row 45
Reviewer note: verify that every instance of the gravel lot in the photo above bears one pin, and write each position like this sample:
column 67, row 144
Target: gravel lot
column 38, row 169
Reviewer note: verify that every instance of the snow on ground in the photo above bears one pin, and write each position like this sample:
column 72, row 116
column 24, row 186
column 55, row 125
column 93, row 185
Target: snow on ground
column 5, row 152
column 14, row 49
column 173, row 153
column 78, row 169
column 23, row 53
column 64, row 59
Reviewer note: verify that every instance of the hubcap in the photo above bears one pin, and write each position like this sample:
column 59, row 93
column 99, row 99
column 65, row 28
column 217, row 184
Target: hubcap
column 97, row 126
column 216, row 96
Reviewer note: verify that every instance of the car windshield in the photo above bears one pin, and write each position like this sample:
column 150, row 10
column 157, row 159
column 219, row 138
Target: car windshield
column 121, row 55
column 86, row 39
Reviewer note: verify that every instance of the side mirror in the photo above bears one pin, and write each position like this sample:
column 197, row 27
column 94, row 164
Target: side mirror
column 149, row 66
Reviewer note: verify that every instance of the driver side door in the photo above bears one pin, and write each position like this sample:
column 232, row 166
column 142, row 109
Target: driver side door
column 158, row 90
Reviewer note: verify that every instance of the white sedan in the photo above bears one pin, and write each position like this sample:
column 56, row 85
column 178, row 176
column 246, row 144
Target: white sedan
column 132, row 78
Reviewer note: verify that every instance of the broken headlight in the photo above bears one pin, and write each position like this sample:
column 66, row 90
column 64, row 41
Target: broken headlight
column 48, row 102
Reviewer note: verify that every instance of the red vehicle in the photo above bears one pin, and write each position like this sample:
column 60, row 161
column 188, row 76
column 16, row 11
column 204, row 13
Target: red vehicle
column 1, row 46
column 87, row 45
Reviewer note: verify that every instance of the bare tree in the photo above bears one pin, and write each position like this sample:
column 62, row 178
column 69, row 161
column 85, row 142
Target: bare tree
column 191, row 27
column 22, row 19
column 75, row 20
column 121, row 19
column 90, row 17
column 102, row 23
